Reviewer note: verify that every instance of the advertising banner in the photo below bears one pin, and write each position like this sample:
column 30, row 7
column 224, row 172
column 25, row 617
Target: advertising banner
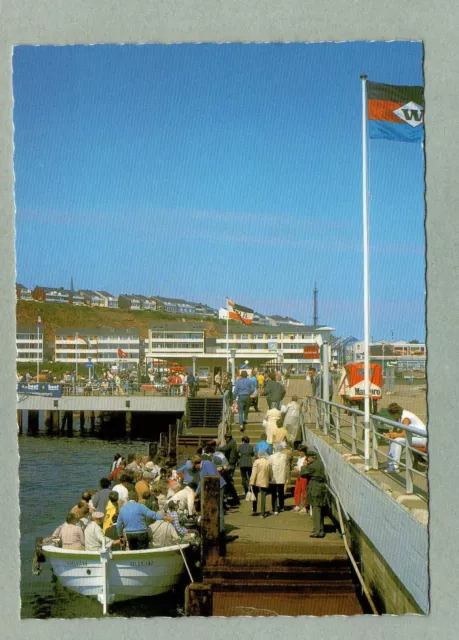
column 311, row 352
column 40, row 389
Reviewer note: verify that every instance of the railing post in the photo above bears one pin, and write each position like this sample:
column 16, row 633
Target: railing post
column 374, row 446
column 326, row 418
column 354, row 433
column 338, row 425
column 409, row 461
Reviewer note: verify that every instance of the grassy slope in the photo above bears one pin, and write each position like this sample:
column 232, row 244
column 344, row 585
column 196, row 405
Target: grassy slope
column 56, row 316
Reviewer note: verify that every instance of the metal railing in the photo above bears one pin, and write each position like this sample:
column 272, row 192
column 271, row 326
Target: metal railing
column 345, row 426
column 97, row 389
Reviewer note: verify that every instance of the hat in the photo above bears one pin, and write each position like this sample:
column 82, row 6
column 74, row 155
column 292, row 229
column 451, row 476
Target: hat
column 150, row 465
column 147, row 475
column 97, row 515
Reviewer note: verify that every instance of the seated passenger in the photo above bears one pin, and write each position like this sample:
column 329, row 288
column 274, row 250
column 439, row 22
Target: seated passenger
column 70, row 534
column 162, row 534
column 185, row 498
column 94, row 539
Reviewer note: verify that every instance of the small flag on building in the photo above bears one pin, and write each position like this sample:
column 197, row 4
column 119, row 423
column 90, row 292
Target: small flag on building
column 84, row 339
column 395, row 112
column 238, row 312
column 122, row 354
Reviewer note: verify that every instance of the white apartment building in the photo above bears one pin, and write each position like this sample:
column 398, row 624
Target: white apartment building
column 183, row 343
column 29, row 343
column 174, row 340
column 97, row 345
column 282, row 344
column 110, row 301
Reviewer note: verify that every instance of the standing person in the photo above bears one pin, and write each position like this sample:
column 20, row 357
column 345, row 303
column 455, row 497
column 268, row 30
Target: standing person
column 263, row 445
column 218, row 383
column 71, row 535
column 288, row 375
column 292, row 420
column 243, row 389
column 111, row 509
column 317, row 491
column 261, row 381
column 274, row 391
column 191, row 385
column 279, row 477
column 245, row 454
column 300, row 492
column 270, row 422
column 100, row 498
column 254, row 396
column 259, row 481
column 398, row 439
column 122, row 488
column 133, row 519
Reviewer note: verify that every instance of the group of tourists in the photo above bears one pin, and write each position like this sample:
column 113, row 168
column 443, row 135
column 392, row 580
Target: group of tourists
column 141, row 504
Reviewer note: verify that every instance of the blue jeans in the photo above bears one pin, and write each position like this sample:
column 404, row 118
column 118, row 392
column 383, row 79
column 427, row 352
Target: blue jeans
column 243, row 404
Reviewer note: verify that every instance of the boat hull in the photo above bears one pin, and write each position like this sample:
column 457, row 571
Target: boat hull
column 131, row 574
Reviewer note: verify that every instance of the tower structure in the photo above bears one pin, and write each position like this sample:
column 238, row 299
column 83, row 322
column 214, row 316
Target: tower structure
column 315, row 319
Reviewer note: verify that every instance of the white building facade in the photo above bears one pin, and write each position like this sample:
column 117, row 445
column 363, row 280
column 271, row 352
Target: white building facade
column 29, row 343
column 97, row 346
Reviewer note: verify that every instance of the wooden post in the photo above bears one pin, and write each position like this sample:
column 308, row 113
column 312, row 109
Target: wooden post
column 68, row 421
column 56, row 415
column 49, row 422
column 32, row 422
column 82, row 421
column 19, row 421
column 128, row 424
column 210, row 518
column 92, row 421
column 198, row 599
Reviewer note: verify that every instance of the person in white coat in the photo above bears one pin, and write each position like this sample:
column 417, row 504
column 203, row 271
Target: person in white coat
column 270, row 422
column 292, row 420
column 280, row 470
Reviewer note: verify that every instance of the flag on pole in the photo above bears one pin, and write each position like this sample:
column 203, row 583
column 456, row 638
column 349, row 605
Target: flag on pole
column 121, row 353
column 84, row 339
column 395, row 112
column 238, row 312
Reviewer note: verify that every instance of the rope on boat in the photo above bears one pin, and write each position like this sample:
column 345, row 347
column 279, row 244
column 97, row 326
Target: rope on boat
column 186, row 563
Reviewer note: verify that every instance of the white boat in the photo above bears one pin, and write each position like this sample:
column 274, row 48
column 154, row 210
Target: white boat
column 113, row 576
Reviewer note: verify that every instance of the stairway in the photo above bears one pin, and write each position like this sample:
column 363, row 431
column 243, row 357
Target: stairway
column 203, row 413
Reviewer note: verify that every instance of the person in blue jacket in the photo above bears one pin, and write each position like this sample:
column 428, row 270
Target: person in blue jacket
column 243, row 389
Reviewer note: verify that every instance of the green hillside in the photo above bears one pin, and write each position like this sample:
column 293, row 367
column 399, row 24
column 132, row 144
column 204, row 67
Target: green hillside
column 55, row 316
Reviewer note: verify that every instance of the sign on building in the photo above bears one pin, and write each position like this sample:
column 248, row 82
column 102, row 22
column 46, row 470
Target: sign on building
column 311, row 352
column 40, row 389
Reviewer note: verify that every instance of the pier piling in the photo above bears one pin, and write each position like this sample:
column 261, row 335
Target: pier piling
column 198, row 599
column 128, row 424
column 19, row 421
column 32, row 426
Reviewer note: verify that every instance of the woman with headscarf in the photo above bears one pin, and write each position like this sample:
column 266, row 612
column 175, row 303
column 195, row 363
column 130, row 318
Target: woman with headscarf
column 280, row 471
column 259, row 481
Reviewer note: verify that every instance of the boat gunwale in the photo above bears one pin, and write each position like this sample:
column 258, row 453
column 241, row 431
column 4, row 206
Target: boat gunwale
column 52, row 551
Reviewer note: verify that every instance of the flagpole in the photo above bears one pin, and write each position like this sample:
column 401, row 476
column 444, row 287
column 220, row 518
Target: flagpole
column 366, row 280
column 76, row 360
column 227, row 343
column 38, row 346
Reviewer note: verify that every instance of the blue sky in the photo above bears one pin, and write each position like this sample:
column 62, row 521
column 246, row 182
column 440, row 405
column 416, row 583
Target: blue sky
column 206, row 171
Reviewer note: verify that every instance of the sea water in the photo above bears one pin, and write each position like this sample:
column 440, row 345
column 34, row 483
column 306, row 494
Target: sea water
column 53, row 473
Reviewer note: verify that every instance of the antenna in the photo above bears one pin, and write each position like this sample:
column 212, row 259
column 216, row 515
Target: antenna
column 315, row 319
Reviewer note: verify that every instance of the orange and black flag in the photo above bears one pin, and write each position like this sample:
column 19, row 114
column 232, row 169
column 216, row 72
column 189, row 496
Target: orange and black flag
column 238, row 312
column 395, row 112
column 121, row 353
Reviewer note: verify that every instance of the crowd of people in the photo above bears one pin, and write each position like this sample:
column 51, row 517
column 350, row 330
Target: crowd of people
column 142, row 503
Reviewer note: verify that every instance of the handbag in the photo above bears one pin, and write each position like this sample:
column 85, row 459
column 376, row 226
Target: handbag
column 235, row 407
column 250, row 496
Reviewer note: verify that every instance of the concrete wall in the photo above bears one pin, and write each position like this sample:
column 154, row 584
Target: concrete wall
column 392, row 545
column 108, row 403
